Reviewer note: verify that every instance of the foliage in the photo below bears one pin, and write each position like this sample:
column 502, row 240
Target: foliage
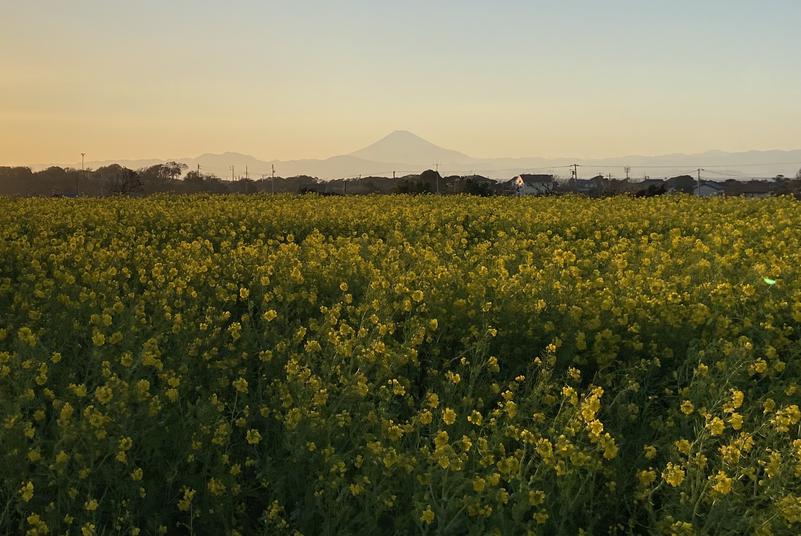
column 378, row 365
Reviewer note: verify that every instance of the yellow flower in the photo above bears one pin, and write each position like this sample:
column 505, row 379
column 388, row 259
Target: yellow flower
column 427, row 516
column 104, row 394
column 574, row 373
column 650, row 452
column 786, row 418
column 216, row 487
column 453, row 377
column 441, row 439
column 98, row 339
column 253, row 437
column 536, row 497
column 759, row 366
column 448, row 416
column 186, row 501
column 773, row 465
column 721, row 483
column 475, row 418
column 78, row 390
column 38, row 526
column 673, row 475
column 610, row 449
column 240, row 385
column 737, row 397
column 26, row 491
column 790, row 508
column 90, row 505
column 646, row 477
column 595, row 427
column 425, row 417
column 687, row 407
column 716, row 426
column 730, row 454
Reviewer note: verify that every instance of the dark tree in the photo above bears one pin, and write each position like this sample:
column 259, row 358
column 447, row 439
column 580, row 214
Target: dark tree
column 164, row 173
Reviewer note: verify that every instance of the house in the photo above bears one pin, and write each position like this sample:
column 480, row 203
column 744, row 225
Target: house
column 647, row 183
column 749, row 189
column 583, row 186
column 526, row 184
column 683, row 184
column 709, row 189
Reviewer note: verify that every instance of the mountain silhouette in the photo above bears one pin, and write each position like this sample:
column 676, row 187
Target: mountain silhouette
column 403, row 146
column 402, row 152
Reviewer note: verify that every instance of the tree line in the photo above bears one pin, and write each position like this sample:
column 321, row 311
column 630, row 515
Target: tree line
column 172, row 177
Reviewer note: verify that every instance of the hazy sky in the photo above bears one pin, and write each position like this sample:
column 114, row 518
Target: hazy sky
column 314, row 78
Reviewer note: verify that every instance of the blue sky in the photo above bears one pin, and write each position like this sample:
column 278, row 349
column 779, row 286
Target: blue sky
column 311, row 79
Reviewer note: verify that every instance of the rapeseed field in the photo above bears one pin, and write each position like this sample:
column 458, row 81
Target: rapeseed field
column 400, row 365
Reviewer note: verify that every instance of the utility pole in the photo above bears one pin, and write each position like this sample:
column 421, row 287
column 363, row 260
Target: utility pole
column 393, row 175
column 574, row 171
column 627, row 169
column 83, row 172
column 698, row 191
column 246, row 171
column 232, row 173
column 272, row 180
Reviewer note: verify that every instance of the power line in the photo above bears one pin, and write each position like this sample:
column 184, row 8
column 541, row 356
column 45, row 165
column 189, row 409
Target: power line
column 627, row 168
column 682, row 164
column 728, row 173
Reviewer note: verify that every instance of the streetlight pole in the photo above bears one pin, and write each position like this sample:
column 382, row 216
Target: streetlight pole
column 698, row 191
column 83, row 172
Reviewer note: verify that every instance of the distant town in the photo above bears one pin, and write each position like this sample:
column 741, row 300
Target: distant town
column 173, row 177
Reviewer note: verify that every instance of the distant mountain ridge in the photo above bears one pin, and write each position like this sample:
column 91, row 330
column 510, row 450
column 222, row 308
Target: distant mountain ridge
column 403, row 146
column 403, row 152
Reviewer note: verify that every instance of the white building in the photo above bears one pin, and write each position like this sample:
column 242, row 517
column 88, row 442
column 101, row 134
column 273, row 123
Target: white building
column 534, row 184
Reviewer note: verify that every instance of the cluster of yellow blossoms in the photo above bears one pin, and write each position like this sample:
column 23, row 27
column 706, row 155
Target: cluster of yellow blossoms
column 305, row 365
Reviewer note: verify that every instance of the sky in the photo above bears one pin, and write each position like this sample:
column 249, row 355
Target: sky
column 316, row 78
